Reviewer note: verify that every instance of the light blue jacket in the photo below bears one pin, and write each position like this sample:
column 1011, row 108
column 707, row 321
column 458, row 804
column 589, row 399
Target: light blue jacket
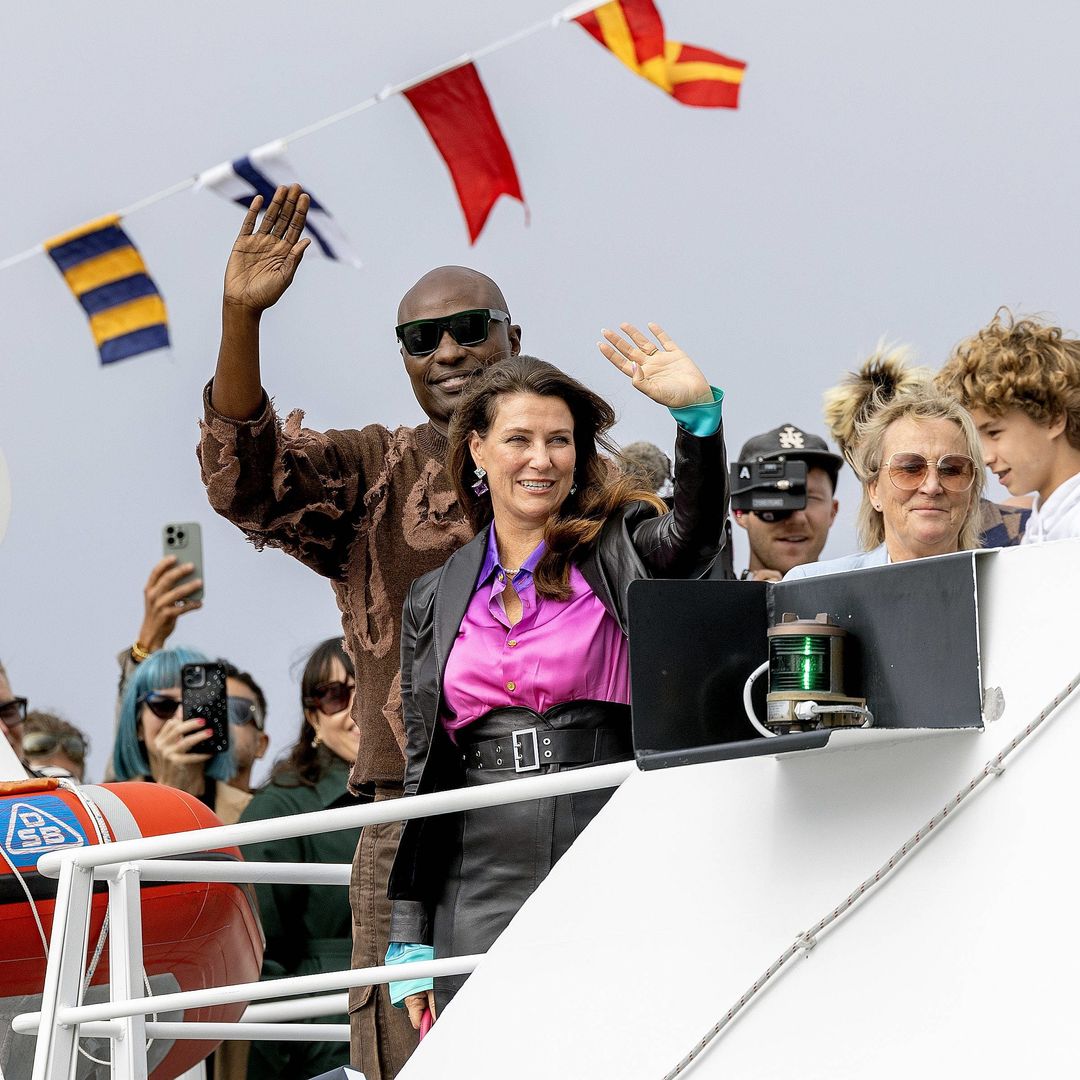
column 878, row 557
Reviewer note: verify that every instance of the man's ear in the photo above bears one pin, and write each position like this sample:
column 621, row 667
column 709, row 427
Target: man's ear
column 739, row 515
column 835, row 509
column 514, row 334
column 1057, row 425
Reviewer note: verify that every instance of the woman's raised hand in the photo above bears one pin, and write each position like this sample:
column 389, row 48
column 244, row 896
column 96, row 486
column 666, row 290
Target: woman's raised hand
column 661, row 371
column 264, row 259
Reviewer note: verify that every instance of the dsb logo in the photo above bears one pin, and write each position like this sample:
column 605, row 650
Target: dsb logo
column 32, row 831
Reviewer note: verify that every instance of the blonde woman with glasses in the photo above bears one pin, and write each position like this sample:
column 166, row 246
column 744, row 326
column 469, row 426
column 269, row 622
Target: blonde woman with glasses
column 922, row 474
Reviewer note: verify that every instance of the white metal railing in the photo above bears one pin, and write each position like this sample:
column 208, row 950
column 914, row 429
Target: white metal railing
column 122, row 1019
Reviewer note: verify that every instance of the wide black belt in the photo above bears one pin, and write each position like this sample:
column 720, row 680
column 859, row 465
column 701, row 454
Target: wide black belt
column 528, row 749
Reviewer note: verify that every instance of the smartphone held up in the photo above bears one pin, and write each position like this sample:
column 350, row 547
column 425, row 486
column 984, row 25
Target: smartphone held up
column 203, row 694
column 183, row 539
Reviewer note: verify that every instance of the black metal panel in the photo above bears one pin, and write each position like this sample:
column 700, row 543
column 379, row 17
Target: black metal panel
column 913, row 653
column 692, row 645
column 918, row 643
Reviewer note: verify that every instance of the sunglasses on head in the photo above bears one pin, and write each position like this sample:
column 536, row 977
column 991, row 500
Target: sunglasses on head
column 242, row 710
column 13, row 712
column 422, row 336
column 907, row 471
column 40, row 743
column 330, row 697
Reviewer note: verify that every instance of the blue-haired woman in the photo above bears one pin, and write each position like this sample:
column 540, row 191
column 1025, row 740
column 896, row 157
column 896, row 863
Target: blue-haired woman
column 153, row 740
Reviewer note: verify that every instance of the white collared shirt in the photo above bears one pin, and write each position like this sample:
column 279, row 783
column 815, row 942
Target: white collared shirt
column 1058, row 518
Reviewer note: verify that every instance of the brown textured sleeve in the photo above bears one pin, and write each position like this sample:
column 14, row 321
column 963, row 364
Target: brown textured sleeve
column 286, row 486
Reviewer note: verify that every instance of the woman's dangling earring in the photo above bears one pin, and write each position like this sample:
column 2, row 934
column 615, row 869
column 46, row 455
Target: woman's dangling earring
column 480, row 488
column 317, row 741
column 573, row 486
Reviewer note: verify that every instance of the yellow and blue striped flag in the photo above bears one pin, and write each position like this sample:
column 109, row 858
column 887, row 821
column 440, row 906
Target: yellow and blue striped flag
column 108, row 277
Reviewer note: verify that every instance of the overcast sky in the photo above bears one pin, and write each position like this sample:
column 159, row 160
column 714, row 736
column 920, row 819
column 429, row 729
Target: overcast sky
column 894, row 170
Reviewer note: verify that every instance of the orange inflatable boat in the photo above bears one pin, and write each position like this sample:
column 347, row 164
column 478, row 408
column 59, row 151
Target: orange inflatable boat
column 195, row 934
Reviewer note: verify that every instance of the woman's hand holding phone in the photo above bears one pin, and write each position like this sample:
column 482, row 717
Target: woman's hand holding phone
column 165, row 599
column 174, row 756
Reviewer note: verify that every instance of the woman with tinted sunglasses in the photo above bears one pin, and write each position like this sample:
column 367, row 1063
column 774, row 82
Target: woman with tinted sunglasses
column 154, row 742
column 309, row 929
column 921, row 468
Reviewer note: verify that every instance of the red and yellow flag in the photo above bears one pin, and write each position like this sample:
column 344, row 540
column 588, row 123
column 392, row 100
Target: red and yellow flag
column 634, row 31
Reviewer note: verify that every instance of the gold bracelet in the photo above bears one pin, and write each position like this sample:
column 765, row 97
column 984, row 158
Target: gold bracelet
column 138, row 653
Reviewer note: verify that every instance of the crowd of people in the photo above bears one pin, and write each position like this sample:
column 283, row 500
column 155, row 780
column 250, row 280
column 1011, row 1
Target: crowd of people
column 481, row 563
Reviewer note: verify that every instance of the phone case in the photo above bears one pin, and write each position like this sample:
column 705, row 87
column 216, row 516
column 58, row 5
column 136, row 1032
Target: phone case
column 202, row 693
column 184, row 540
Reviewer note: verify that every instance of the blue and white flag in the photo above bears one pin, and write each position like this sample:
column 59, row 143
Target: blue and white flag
column 260, row 173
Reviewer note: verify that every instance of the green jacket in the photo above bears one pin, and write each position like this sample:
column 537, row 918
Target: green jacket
column 308, row 927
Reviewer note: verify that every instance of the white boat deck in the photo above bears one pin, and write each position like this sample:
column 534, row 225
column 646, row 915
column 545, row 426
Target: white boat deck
column 695, row 880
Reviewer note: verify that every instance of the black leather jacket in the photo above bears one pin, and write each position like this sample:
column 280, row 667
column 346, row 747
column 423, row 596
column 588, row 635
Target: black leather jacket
column 635, row 543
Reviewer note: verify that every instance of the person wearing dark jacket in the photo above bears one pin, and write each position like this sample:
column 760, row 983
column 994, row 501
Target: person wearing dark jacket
column 308, row 928
column 514, row 653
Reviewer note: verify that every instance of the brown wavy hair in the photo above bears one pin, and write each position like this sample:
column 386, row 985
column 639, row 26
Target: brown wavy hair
column 1018, row 363
column 601, row 490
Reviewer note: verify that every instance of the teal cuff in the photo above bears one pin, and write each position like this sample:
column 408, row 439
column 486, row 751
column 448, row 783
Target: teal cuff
column 701, row 420
column 401, row 952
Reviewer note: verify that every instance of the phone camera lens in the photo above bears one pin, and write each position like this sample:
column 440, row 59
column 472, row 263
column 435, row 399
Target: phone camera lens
column 179, row 536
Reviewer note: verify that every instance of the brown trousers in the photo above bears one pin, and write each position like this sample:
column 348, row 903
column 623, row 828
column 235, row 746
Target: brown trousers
column 382, row 1038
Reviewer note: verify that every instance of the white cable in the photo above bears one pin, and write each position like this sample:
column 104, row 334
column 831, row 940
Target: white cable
column 807, row 710
column 748, row 702
column 29, row 899
column 808, row 939
column 553, row 22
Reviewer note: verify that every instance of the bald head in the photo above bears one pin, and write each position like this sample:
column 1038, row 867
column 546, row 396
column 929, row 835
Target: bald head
column 440, row 377
column 443, row 288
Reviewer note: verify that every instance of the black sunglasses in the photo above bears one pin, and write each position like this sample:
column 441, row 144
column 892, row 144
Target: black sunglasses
column 13, row 712
column 422, row 337
column 331, row 697
column 242, row 710
column 161, row 705
column 39, row 743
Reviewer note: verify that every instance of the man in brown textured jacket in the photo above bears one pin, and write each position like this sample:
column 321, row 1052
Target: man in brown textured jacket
column 369, row 509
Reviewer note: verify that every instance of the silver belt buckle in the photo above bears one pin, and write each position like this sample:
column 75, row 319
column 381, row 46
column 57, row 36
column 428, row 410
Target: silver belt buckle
column 518, row 767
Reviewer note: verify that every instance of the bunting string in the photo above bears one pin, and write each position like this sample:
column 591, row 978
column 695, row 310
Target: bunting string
column 567, row 14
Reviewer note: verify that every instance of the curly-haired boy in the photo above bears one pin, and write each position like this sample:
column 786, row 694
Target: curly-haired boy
column 1019, row 377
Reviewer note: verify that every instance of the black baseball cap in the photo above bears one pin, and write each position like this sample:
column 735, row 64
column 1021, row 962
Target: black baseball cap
column 789, row 441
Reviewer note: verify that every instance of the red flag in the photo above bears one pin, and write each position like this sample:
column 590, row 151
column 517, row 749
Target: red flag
column 455, row 109
column 634, row 31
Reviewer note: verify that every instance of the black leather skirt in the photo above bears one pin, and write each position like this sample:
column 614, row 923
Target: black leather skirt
column 500, row 854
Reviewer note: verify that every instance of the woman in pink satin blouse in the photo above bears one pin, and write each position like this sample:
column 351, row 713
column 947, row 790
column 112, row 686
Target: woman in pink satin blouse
column 514, row 652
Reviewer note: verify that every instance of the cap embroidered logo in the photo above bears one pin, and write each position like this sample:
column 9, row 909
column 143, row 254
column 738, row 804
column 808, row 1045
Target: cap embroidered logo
column 792, row 438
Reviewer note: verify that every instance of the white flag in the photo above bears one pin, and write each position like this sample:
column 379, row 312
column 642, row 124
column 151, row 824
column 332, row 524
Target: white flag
column 259, row 173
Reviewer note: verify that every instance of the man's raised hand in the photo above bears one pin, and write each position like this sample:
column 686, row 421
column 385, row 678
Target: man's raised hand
column 265, row 256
